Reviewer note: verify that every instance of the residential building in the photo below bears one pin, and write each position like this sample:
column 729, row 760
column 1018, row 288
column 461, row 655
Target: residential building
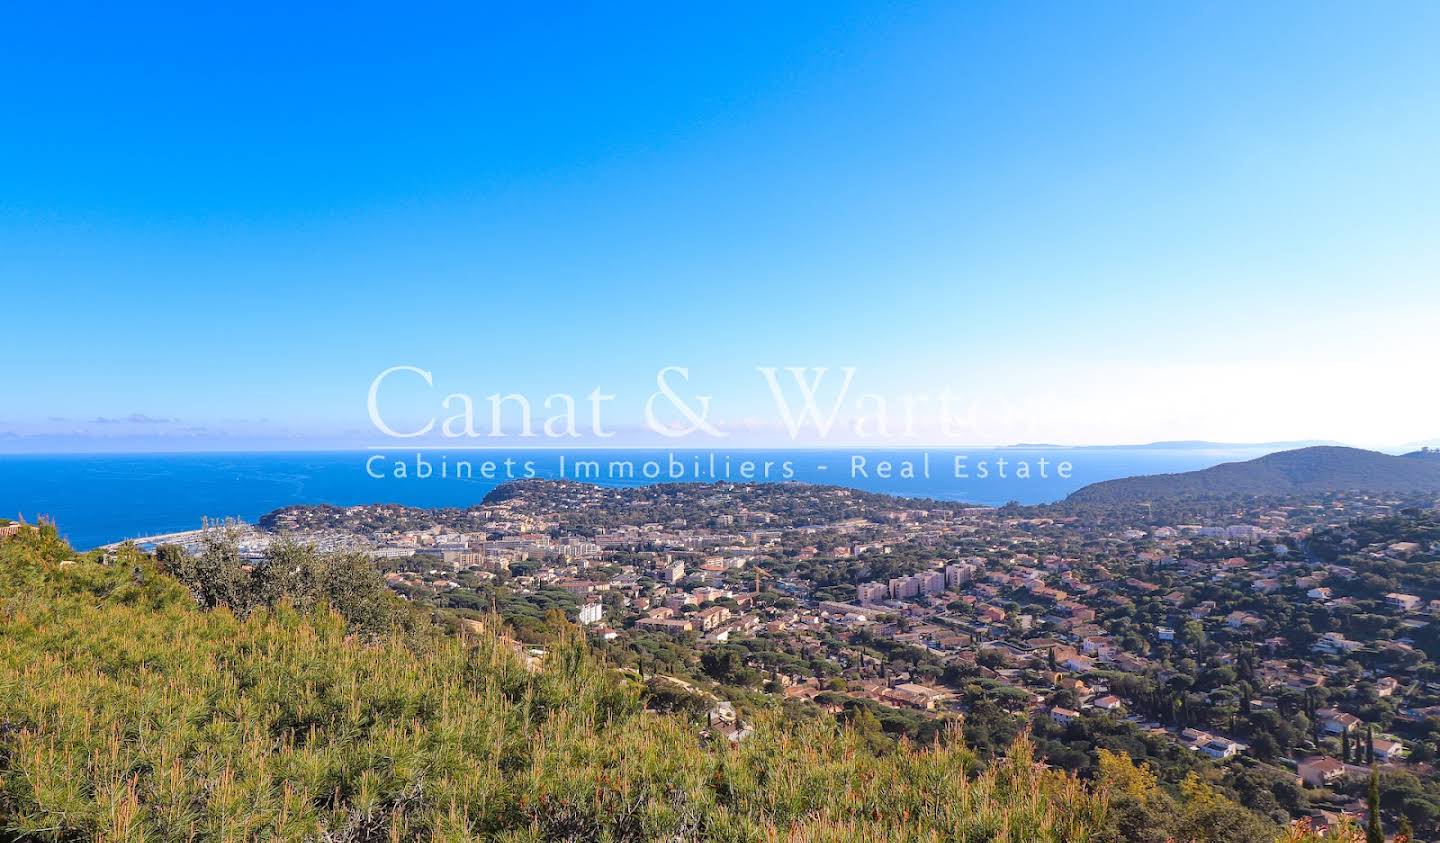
column 871, row 592
column 1320, row 771
column 591, row 613
column 1333, row 721
column 1063, row 716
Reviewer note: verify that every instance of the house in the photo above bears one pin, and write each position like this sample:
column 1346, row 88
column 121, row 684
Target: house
column 1335, row 643
column 591, row 613
column 1100, row 647
column 1403, row 602
column 1334, row 721
column 1320, row 771
column 1109, row 702
column 1212, row 746
column 991, row 614
column 1131, row 664
column 1063, row 716
column 1238, row 619
column 1388, row 750
column 1219, row 749
column 911, row 695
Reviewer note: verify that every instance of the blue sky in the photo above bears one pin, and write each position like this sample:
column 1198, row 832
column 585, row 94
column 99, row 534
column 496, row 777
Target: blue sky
column 1098, row 223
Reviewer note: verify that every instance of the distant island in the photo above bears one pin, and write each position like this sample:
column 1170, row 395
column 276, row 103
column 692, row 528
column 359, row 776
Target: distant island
column 1323, row 468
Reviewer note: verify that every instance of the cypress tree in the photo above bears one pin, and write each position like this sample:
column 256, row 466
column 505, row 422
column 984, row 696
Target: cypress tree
column 1374, row 833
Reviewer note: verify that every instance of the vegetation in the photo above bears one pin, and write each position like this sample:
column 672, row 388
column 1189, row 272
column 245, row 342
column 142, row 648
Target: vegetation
column 348, row 583
column 130, row 713
column 135, row 707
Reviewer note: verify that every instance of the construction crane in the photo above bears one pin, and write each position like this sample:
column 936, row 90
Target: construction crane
column 758, row 571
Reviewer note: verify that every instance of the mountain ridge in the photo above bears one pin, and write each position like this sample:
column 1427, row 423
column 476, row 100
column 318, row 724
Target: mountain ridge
column 1321, row 468
column 1175, row 445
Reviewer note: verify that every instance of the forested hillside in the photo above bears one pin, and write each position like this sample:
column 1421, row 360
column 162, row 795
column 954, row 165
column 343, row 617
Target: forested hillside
column 133, row 707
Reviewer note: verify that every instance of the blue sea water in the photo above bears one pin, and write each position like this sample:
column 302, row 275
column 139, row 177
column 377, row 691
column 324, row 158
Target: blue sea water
column 100, row 498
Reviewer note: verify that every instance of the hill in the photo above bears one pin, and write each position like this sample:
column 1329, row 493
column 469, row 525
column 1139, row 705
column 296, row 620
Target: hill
column 1300, row 471
column 129, row 712
column 582, row 507
column 1175, row 445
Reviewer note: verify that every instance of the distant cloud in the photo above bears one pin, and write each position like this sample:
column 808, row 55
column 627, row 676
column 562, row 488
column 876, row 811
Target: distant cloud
column 134, row 418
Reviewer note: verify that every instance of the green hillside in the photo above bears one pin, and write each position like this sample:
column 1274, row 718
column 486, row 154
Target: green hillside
column 127, row 712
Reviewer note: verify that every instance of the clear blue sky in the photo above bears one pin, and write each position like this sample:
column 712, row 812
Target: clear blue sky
column 1136, row 220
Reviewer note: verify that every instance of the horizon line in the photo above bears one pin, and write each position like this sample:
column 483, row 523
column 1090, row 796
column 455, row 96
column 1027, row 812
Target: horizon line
column 1194, row 445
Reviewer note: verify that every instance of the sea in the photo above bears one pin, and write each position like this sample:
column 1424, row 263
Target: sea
column 97, row 499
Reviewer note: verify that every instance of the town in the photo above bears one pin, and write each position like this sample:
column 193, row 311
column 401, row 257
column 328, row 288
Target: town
column 1281, row 647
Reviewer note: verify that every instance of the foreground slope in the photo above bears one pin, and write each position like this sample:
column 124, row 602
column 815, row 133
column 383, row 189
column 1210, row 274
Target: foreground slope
column 128, row 713
column 1304, row 470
